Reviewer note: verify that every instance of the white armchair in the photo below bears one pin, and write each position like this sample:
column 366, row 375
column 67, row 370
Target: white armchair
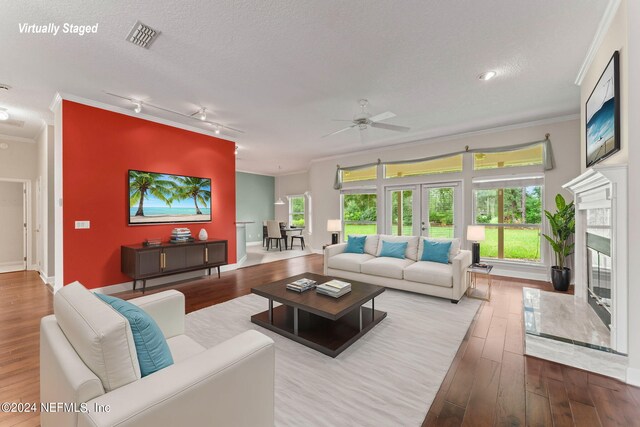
column 230, row 384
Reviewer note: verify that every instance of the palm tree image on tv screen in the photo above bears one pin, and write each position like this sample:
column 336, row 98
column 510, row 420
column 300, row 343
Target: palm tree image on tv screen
column 164, row 198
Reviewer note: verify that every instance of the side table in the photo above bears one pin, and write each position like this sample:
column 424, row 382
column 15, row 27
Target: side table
column 473, row 291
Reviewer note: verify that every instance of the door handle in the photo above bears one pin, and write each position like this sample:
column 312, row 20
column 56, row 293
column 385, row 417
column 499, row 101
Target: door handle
column 206, row 255
column 163, row 260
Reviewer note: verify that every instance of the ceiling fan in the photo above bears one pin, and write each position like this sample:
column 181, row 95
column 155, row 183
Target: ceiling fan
column 364, row 119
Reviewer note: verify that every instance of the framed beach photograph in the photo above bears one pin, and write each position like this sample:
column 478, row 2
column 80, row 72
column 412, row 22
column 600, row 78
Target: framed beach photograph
column 603, row 114
column 161, row 198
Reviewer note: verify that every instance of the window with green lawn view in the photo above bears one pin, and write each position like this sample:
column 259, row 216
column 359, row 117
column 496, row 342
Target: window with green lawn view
column 401, row 212
column 359, row 213
column 296, row 211
column 513, row 218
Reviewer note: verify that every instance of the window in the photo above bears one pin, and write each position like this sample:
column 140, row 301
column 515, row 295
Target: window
column 360, row 174
column 512, row 214
column 359, row 213
column 296, row 211
column 428, row 167
column 401, row 211
column 506, row 159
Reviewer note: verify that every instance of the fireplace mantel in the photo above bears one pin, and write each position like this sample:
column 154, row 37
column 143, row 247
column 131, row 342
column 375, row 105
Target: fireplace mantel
column 604, row 187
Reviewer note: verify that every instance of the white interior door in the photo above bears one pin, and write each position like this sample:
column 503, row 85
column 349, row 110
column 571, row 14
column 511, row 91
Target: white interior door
column 13, row 217
column 441, row 210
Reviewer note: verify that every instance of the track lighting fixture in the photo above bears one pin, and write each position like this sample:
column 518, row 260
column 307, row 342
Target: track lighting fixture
column 137, row 106
column 202, row 114
column 236, row 151
column 217, row 131
column 4, row 115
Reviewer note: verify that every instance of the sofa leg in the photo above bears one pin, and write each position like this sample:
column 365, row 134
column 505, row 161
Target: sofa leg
column 454, row 301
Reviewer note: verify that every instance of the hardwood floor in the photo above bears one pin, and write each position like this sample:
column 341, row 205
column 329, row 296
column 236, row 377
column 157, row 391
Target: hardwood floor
column 490, row 382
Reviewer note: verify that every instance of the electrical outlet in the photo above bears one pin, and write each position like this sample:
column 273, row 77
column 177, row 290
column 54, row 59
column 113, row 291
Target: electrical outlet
column 80, row 225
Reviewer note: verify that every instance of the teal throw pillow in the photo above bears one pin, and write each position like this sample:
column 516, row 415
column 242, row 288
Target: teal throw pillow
column 151, row 346
column 436, row 251
column 355, row 245
column 393, row 249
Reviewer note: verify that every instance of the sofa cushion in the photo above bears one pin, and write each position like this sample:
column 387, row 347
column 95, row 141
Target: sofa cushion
column 432, row 273
column 370, row 244
column 453, row 251
column 348, row 262
column 183, row 347
column 151, row 346
column 393, row 249
column 412, row 244
column 355, row 245
column 435, row 251
column 386, row 267
column 100, row 335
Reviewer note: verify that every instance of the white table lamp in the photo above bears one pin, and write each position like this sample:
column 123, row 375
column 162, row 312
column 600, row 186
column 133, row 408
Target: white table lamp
column 335, row 227
column 475, row 234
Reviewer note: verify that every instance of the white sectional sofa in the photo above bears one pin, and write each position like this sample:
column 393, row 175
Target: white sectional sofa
column 409, row 274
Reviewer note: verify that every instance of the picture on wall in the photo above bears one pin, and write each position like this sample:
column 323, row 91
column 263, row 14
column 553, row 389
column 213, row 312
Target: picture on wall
column 603, row 115
column 160, row 198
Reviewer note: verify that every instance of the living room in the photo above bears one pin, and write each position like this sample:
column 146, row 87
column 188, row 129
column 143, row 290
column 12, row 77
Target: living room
column 435, row 196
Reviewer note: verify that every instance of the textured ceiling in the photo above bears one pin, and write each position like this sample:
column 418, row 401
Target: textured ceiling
column 282, row 70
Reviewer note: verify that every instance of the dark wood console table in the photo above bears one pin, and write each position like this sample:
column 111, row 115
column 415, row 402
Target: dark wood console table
column 146, row 262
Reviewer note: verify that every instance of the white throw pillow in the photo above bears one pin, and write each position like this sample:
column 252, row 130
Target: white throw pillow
column 412, row 244
column 100, row 335
column 453, row 251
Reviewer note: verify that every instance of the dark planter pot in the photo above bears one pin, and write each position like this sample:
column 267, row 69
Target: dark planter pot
column 561, row 278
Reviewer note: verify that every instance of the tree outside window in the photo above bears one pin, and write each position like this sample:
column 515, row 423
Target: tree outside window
column 359, row 214
column 296, row 211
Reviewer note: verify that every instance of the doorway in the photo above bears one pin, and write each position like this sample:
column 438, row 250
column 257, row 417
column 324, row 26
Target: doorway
column 430, row 210
column 14, row 220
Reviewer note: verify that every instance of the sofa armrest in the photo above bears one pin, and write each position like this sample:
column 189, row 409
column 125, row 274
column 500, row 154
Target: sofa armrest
column 460, row 264
column 330, row 251
column 166, row 308
column 231, row 384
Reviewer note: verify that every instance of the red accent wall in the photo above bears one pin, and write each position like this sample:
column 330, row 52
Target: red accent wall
column 99, row 147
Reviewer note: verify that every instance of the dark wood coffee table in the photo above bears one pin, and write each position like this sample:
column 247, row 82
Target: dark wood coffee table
column 326, row 324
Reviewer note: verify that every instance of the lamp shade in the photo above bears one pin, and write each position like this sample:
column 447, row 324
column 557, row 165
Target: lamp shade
column 334, row 225
column 475, row 233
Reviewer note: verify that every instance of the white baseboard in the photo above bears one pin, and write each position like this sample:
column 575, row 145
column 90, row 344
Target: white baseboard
column 633, row 376
column 47, row 280
column 8, row 267
column 317, row 251
column 127, row 286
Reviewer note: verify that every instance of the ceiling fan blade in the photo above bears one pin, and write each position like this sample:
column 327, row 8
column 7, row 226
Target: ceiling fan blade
column 341, row 120
column 382, row 116
column 390, row 127
column 339, row 131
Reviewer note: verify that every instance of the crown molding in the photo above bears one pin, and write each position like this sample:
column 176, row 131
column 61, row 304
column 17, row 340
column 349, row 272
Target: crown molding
column 127, row 112
column 255, row 173
column 6, row 137
column 601, row 32
column 449, row 137
column 55, row 102
column 298, row 172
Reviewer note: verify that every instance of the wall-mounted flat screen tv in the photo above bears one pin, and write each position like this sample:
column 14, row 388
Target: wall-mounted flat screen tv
column 162, row 198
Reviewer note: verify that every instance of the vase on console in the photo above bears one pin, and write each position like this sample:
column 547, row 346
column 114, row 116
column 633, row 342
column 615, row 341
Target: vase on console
column 203, row 235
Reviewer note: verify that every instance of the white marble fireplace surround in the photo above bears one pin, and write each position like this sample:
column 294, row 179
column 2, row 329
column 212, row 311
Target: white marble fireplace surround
column 604, row 187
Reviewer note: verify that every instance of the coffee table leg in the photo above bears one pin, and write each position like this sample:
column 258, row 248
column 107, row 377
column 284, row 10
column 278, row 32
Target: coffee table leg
column 360, row 315
column 373, row 309
column 295, row 320
column 270, row 311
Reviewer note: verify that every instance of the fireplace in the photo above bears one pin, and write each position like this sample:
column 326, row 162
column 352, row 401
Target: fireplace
column 600, row 196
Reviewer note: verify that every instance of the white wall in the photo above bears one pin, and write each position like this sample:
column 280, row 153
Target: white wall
column 565, row 138
column 289, row 185
column 20, row 161
column 11, row 218
column 44, row 221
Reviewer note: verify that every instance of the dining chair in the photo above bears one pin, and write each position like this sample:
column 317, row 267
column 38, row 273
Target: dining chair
column 265, row 233
column 274, row 232
column 299, row 237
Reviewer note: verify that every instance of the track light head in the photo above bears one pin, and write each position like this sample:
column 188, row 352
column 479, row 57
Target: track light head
column 202, row 114
column 236, row 151
column 137, row 106
column 4, row 115
column 217, row 131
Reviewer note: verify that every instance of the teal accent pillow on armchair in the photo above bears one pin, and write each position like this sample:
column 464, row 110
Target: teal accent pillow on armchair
column 151, row 346
column 355, row 245
column 436, row 251
column 393, row 249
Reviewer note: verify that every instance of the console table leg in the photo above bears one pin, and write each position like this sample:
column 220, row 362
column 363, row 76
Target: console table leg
column 295, row 320
column 134, row 284
column 271, row 311
column 144, row 285
column 218, row 272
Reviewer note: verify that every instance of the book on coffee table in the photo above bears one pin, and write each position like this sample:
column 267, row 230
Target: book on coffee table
column 334, row 288
column 301, row 285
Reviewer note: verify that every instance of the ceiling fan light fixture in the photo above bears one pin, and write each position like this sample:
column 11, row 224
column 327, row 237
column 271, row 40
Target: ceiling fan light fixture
column 4, row 115
column 488, row 75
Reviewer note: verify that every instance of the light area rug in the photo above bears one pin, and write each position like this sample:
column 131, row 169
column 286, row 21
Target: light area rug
column 259, row 255
column 389, row 377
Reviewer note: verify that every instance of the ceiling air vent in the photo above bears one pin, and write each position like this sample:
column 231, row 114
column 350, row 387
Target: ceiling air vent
column 142, row 35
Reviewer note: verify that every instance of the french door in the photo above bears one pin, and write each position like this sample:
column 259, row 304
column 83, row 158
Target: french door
column 431, row 210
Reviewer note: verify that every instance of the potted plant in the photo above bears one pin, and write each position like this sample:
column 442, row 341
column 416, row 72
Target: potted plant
column 563, row 225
